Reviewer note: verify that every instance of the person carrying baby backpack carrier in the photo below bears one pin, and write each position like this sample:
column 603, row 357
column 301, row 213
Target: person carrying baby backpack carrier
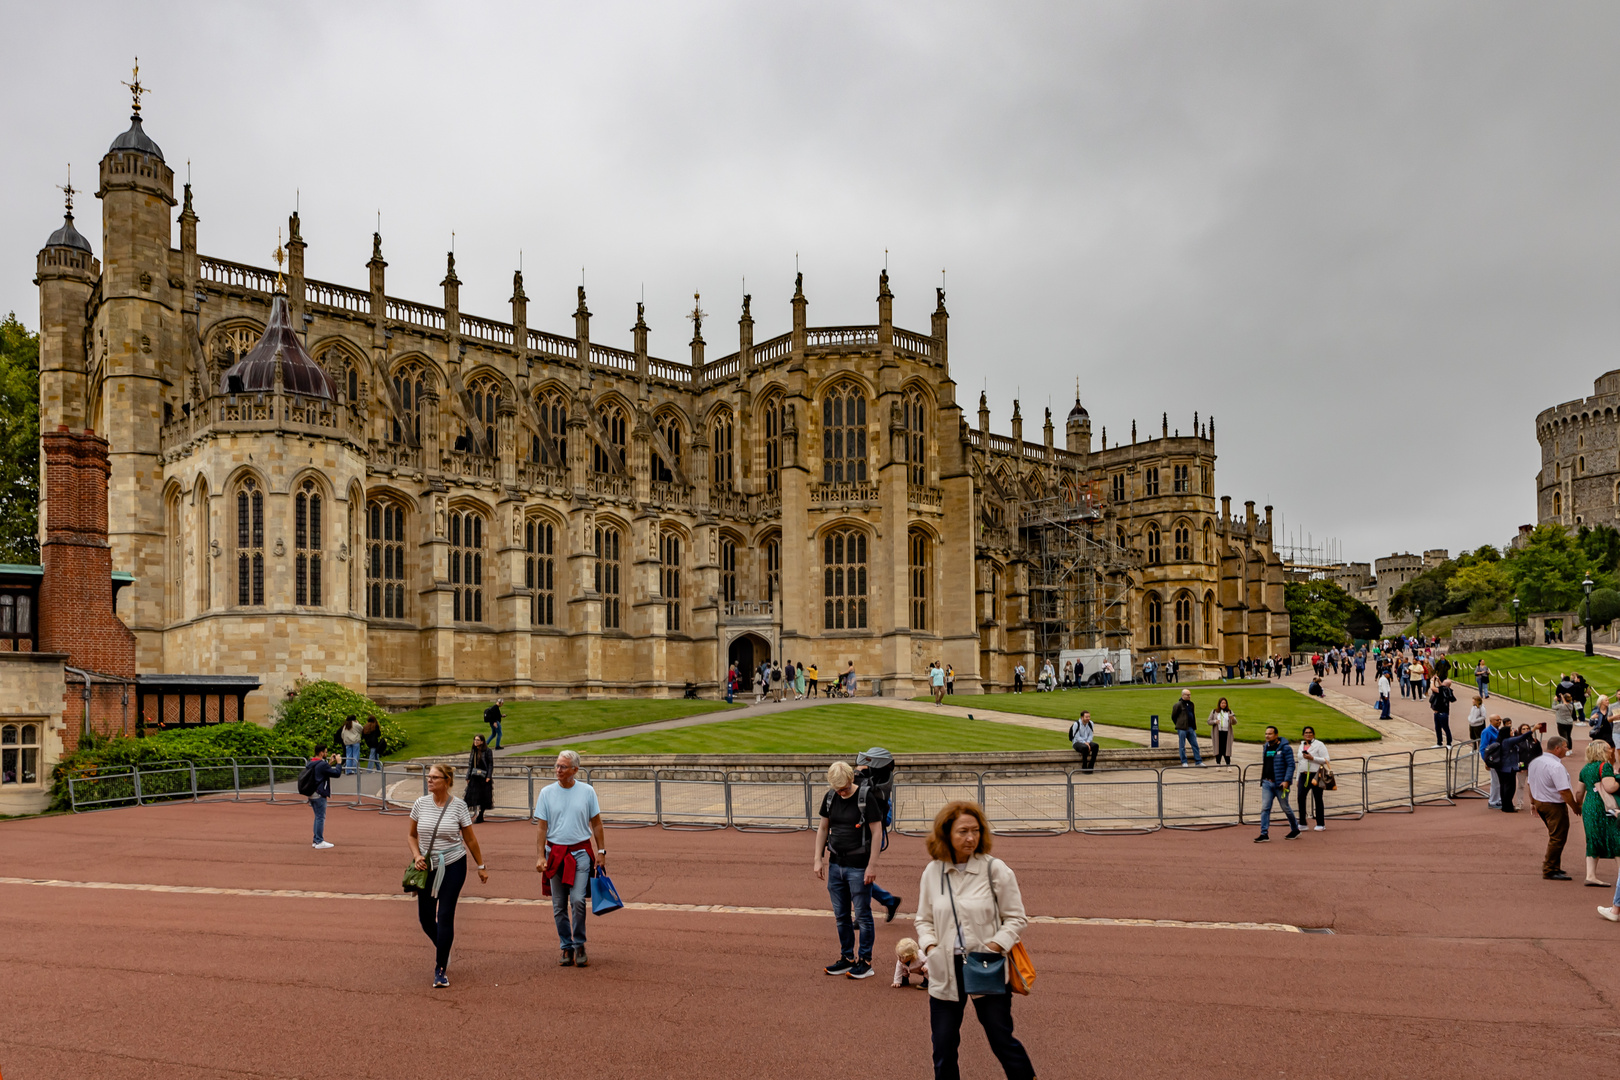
column 874, row 794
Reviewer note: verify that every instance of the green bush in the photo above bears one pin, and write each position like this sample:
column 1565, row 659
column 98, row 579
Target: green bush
column 100, row 755
column 316, row 710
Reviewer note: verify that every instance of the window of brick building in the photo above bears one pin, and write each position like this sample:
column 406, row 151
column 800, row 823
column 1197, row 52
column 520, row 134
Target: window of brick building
column 19, row 754
column 844, row 580
column 249, row 544
column 307, row 545
column 467, row 566
column 385, row 560
column 609, row 542
column 540, row 570
column 16, row 620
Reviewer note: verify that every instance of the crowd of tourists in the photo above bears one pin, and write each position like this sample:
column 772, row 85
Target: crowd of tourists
column 774, row 681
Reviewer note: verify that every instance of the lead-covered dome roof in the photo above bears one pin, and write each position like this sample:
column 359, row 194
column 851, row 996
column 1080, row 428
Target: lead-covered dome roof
column 255, row 372
column 136, row 139
column 67, row 236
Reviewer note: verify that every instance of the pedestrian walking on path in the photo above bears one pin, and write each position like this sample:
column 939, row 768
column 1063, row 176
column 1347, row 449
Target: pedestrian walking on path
column 492, row 717
column 1276, row 777
column 936, row 678
column 570, row 818
column 1552, row 798
column 1221, row 727
column 441, row 836
column 1383, row 695
column 846, row 857
column 1313, row 756
column 1440, row 702
column 1186, row 722
column 1602, row 830
column 349, row 734
column 480, row 794
column 1492, row 732
column 968, row 902
column 1476, row 719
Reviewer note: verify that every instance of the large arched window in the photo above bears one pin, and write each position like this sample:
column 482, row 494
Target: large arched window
column 553, row 414
column 249, row 544
column 773, row 566
column 1184, row 618
column 1209, row 618
column 467, row 565
column 175, row 588
column 1558, row 503
column 344, row 369
column 843, row 434
column 486, row 396
column 410, row 383
column 1209, row 543
column 916, row 416
column 231, row 343
column 307, row 545
column 1183, row 535
column 728, row 568
column 722, row 436
column 614, row 421
column 540, row 570
column 918, row 542
column 669, row 429
column 772, row 415
column 609, row 544
column 1155, row 548
column 669, row 577
column 1155, row 621
column 385, row 559
column 844, row 580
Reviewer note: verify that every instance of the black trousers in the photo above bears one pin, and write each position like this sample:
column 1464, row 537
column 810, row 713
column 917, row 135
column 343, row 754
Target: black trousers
column 1223, row 745
column 1510, row 783
column 1088, row 755
column 1311, row 791
column 438, row 915
column 995, row 1016
column 1442, row 723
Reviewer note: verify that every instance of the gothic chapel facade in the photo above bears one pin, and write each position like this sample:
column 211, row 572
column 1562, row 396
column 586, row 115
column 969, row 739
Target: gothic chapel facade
column 320, row 481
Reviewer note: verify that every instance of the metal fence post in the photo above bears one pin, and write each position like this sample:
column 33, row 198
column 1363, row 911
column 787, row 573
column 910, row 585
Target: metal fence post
column 1158, row 791
column 725, row 780
column 658, row 799
column 135, row 770
column 193, row 766
column 981, row 790
column 236, row 781
column 270, row 771
column 530, row 813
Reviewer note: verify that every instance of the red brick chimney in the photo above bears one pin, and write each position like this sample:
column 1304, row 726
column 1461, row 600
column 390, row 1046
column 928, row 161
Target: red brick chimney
column 75, row 594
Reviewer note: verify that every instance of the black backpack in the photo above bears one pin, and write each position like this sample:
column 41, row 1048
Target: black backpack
column 1493, row 754
column 308, row 780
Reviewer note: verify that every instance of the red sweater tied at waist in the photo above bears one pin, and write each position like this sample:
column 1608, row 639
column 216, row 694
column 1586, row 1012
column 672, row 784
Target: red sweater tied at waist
column 560, row 859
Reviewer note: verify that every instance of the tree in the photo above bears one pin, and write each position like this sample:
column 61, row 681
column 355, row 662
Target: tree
column 1482, row 586
column 1601, row 546
column 1321, row 614
column 1605, row 606
column 19, row 442
column 1547, row 572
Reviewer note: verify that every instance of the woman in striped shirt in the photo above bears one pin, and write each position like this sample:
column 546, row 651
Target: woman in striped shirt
column 441, row 837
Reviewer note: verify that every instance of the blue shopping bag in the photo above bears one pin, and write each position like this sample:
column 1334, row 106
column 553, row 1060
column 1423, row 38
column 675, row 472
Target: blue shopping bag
column 604, row 897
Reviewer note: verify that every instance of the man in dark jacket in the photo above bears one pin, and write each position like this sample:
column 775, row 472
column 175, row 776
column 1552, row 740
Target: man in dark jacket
column 322, row 769
column 1186, row 721
column 492, row 717
column 1276, row 777
column 1440, row 704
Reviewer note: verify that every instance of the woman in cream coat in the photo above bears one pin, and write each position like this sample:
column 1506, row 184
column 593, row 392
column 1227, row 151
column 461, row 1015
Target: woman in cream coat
column 985, row 895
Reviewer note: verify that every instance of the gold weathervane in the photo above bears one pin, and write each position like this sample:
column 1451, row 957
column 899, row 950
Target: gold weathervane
column 279, row 255
column 135, row 87
column 696, row 316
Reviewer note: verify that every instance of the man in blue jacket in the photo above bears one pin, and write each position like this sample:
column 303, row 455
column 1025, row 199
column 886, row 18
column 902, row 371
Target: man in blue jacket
column 1492, row 732
column 1276, row 777
column 320, row 770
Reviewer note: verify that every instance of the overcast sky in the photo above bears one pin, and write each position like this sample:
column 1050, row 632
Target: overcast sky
column 1372, row 239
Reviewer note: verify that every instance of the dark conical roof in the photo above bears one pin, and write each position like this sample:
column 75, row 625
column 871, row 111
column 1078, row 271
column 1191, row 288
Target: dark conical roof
column 300, row 374
column 136, row 139
column 67, row 236
column 1078, row 410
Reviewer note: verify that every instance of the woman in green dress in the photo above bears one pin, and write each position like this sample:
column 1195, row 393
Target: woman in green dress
column 1602, row 830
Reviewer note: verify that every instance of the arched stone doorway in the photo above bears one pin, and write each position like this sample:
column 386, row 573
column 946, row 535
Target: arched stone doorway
column 748, row 651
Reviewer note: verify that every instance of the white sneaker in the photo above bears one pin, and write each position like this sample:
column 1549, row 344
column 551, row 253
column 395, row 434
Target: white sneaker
column 1320, row 828
column 1612, row 914
column 323, row 845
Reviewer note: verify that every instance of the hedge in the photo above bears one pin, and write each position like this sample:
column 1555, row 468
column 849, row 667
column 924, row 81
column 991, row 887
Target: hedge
column 316, row 711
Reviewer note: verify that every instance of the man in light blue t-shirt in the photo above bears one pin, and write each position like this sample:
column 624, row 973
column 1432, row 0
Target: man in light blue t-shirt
column 570, row 818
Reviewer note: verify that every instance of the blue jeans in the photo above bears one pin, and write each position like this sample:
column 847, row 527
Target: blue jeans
column 495, row 733
column 1269, row 790
column 1182, row 739
column 371, row 758
column 318, row 804
column 351, row 757
column 1484, row 687
column 562, row 899
column 881, row 895
column 848, row 889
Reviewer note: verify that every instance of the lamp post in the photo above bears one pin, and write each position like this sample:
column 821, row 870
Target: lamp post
column 1515, row 622
column 1586, row 617
column 1417, row 621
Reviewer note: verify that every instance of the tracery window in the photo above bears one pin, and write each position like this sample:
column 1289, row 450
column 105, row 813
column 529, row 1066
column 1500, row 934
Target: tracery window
column 1154, row 549
column 1209, row 618
column 553, row 410
column 540, row 570
column 1181, row 481
column 385, row 559
column 1117, row 487
column 486, row 396
column 722, row 436
column 844, row 580
column 467, row 565
column 410, row 382
column 1183, row 537
column 249, row 544
column 1155, row 621
column 344, row 370
column 669, row 578
column 19, row 754
column 916, row 438
column 1184, row 617
column 843, row 434
column 1150, row 484
column 728, row 568
column 773, row 443
column 609, row 542
column 1209, row 543
column 232, row 343
column 307, row 545
column 773, row 566
column 918, row 542
column 669, row 429
column 995, row 595
column 613, row 420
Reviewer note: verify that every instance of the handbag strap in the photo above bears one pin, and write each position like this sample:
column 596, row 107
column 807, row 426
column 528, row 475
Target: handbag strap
column 434, row 839
column 945, row 876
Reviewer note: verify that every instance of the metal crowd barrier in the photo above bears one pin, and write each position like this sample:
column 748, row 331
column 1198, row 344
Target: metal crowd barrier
column 1052, row 801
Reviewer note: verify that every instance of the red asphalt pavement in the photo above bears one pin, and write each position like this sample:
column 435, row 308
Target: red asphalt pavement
column 1450, row 957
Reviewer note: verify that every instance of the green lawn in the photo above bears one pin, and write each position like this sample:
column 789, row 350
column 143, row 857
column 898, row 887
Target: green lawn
column 1254, row 708
column 835, row 729
column 1530, row 672
column 448, row 729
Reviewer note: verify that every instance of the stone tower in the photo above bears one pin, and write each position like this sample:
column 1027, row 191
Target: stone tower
column 1077, row 429
column 132, row 362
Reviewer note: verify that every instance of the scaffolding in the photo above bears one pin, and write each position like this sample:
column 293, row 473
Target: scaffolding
column 1079, row 583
